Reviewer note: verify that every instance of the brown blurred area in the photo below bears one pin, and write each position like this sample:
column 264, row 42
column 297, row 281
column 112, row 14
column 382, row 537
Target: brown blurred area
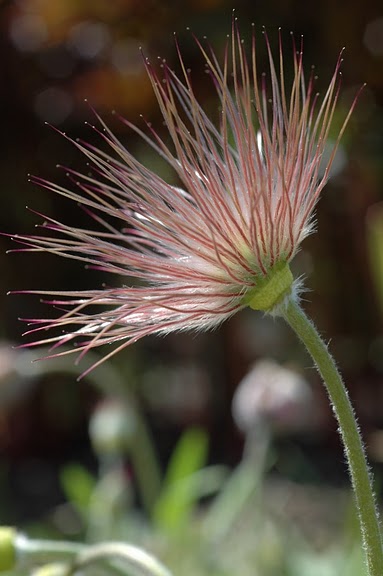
column 56, row 53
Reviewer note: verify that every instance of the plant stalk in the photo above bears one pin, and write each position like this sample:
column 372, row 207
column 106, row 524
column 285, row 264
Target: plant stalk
column 349, row 431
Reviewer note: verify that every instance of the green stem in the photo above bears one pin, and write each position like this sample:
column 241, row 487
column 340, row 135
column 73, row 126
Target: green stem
column 348, row 427
column 142, row 451
column 44, row 552
column 34, row 552
column 135, row 558
column 79, row 556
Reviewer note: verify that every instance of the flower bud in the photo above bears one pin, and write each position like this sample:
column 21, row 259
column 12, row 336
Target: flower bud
column 270, row 392
column 112, row 428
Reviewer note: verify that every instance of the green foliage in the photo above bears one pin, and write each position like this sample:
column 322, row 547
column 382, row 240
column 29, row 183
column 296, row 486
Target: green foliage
column 78, row 486
column 182, row 489
column 205, row 520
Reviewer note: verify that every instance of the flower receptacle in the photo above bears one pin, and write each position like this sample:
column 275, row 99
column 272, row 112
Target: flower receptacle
column 271, row 289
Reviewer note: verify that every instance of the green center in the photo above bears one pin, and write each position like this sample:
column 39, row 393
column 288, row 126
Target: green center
column 270, row 289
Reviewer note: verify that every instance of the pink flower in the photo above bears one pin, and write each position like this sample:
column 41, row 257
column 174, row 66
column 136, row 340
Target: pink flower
column 195, row 253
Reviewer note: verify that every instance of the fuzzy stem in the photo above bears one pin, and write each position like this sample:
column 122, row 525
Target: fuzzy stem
column 142, row 450
column 349, row 431
column 31, row 553
column 135, row 558
column 79, row 556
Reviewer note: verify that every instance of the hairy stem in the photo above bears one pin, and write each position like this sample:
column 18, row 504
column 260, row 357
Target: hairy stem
column 348, row 427
column 135, row 558
column 77, row 557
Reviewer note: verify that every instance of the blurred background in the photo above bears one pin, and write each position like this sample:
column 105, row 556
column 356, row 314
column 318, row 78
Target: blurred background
column 58, row 437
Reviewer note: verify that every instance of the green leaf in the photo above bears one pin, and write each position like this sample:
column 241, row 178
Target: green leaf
column 179, row 496
column 78, row 486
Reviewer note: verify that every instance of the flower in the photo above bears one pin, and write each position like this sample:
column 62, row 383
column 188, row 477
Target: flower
column 193, row 255
column 274, row 395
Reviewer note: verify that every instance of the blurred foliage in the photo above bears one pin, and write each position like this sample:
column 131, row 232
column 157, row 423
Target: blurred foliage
column 202, row 518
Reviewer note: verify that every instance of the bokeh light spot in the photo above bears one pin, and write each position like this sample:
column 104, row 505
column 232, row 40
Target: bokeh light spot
column 88, row 39
column 53, row 105
column 373, row 37
column 28, row 32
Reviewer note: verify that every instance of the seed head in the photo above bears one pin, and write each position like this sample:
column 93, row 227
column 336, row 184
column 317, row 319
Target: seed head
column 192, row 254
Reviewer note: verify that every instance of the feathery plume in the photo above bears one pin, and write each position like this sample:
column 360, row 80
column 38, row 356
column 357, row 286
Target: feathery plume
column 193, row 255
